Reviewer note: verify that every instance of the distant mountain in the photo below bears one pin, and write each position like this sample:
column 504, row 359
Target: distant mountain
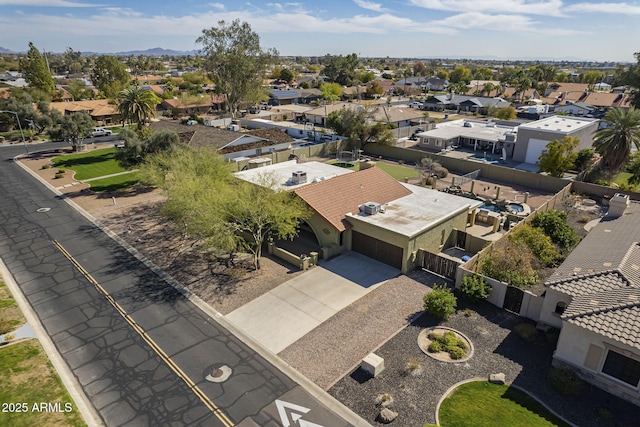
column 3, row 50
column 157, row 51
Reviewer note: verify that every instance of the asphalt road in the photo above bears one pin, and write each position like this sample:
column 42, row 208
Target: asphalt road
column 139, row 349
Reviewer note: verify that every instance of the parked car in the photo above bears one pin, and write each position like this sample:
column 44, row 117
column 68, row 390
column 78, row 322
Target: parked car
column 415, row 104
column 100, row 132
column 265, row 106
column 254, row 109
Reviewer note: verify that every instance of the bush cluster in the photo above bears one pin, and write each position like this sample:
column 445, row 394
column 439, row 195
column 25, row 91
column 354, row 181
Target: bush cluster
column 510, row 263
column 474, row 288
column 566, row 381
column 448, row 342
column 554, row 224
column 440, row 302
column 540, row 244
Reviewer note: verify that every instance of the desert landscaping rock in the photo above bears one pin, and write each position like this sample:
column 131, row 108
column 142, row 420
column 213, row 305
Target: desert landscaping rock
column 387, row 416
column 497, row 378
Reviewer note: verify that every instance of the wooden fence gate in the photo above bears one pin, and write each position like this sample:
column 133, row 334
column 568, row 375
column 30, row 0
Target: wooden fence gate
column 443, row 266
column 513, row 299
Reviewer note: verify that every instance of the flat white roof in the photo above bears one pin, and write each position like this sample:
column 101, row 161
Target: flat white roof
column 559, row 123
column 472, row 129
column 278, row 176
column 417, row 212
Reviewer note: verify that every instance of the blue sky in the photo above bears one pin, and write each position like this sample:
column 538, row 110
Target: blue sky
column 510, row 29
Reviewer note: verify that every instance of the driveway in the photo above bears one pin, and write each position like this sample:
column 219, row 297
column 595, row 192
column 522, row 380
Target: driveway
column 285, row 314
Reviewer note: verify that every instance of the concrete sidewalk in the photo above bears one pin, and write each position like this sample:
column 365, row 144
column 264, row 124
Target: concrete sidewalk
column 287, row 313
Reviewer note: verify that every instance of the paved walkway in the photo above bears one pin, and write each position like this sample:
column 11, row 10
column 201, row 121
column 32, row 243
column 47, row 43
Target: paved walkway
column 287, row 313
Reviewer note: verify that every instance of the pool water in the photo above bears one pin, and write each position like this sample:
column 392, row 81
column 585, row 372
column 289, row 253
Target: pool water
column 491, row 208
column 516, row 207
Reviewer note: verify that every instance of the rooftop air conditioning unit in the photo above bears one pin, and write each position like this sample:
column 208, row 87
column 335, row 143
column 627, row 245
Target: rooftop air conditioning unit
column 299, row 177
column 371, row 208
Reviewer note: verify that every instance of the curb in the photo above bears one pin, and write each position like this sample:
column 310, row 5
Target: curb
column 313, row 389
column 87, row 410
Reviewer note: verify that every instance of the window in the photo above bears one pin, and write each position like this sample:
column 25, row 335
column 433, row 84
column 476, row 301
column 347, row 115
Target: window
column 438, row 143
column 623, row 368
column 560, row 307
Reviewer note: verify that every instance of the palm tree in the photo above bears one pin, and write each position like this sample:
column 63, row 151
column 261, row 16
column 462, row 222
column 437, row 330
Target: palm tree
column 613, row 142
column 137, row 105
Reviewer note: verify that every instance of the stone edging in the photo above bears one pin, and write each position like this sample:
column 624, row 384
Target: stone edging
column 426, row 331
column 474, row 379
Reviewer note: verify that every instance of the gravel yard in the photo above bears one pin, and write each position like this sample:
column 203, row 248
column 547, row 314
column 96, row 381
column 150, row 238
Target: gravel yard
column 497, row 349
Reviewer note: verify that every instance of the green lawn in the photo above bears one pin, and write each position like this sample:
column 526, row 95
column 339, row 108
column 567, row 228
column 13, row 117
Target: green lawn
column 482, row 404
column 115, row 183
column 28, row 378
column 119, row 128
column 397, row 171
column 90, row 164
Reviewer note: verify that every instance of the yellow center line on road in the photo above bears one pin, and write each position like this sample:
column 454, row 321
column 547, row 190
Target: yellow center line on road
column 224, row 419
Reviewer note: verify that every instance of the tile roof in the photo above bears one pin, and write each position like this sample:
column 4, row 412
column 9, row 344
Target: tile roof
column 614, row 314
column 95, row 107
column 273, row 135
column 334, row 198
column 591, row 283
column 606, row 294
column 600, row 99
column 605, row 247
column 200, row 135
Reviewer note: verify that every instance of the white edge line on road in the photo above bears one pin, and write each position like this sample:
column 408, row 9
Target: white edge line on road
column 316, row 391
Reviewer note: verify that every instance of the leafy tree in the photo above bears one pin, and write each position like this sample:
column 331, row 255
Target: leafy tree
column 554, row 224
column 429, row 168
column 287, row 75
column 110, row 76
column 135, row 149
column 79, row 90
column 460, row 73
column 584, row 158
column 559, row 156
column 613, row 142
column 35, row 115
column 460, row 87
column 137, row 105
column 75, row 127
column 374, row 89
column 419, row 69
column 235, row 60
column 504, row 113
column 331, row 91
column 540, row 244
column 440, row 302
column 483, row 73
column 35, row 71
column 357, row 125
column 229, row 214
column 341, row 69
column 634, row 168
column 474, row 288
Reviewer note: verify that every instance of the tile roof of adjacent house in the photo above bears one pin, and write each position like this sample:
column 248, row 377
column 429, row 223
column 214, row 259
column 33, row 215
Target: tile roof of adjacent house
column 603, row 277
column 614, row 314
column 600, row 99
column 274, row 135
column 605, row 247
column 200, row 135
column 334, row 198
column 95, row 107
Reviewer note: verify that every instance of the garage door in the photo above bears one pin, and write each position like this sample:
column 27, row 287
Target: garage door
column 534, row 149
column 377, row 249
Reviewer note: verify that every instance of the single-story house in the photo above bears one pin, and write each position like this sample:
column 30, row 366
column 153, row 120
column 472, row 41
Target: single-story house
column 207, row 103
column 594, row 296
column 399, row 116
column 577, row 109
column 294, row 96
column 475, row 134
column 100, row 110
column 372, row 213
column 229, row 143
column 452, row 101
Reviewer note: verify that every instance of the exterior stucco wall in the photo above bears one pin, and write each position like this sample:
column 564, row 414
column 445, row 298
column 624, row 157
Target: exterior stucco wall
column 585, row 134
column 328, row 237
column 572, row 349
column 551, row 300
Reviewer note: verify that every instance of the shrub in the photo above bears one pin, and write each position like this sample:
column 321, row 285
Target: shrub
column 5, row 326
column 566, row 381
column 510, row 263
column 526, row 331
column 539, row 243
column 474, row 289
column 435, row 347
column 456, row 353
column 58, row 175
column 46, row 166
column 449, row 343
column 440, row 302
column 413, row 366
column 554, row 224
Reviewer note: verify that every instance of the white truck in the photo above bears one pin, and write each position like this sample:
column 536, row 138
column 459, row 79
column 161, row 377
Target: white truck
column 100, row 132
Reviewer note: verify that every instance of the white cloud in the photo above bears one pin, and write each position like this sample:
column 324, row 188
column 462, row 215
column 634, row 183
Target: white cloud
column 610, row 8
column 369, row 5
column 46, row 3
column 218, row 6
column 502, row 23
column 527, row 7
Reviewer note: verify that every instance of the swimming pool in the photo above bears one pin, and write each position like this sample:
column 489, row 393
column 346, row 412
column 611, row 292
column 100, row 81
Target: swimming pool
column 516, row 207
column 483, row 159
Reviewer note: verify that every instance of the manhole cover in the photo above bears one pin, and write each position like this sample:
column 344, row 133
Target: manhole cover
column 219, row 375
column 43, row 210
